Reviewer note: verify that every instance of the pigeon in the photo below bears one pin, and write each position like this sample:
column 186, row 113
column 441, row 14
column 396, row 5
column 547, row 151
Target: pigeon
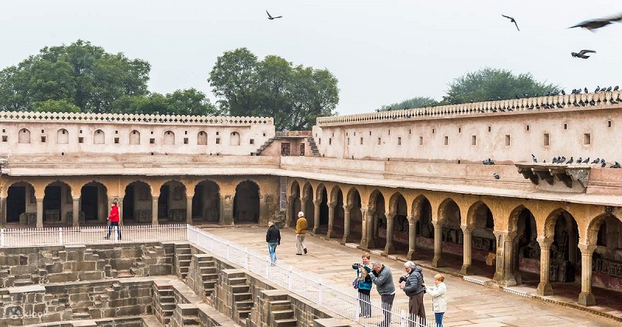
column 533, row 157
column 597, row 160
column 495, row 175
column 512, row 20
column 579, row 160
column 585, row 89
column 563, row 92
column 587, row 160
column 603, row 163
column 615, row 165
column 488, row 162
column 571, row 160
column 594, row 24
column 616, row 88
column 581, row 54
column 554, row 160
column 597, row 87
column 270, row 17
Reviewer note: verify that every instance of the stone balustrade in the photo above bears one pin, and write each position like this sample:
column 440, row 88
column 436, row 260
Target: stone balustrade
column 62, row 117
column 601, row 100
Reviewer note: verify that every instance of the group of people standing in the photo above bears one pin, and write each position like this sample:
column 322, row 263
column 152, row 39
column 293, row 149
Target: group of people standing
column 412, row 284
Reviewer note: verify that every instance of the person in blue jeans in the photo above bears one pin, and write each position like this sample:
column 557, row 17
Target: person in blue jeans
column 364, row 284
column 273, row 238
column 439, row 298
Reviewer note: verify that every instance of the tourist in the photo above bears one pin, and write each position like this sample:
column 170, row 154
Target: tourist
column 363, row 283
column 114, row 220
column 273, row 237
column 301, row 231
column 439, row 298
column 383, row 278
column 414, row 287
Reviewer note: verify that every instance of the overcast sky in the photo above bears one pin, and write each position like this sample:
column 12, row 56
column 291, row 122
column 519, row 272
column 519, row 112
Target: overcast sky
column 381, row 51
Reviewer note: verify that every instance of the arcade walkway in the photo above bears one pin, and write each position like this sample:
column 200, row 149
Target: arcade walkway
column 468, row 303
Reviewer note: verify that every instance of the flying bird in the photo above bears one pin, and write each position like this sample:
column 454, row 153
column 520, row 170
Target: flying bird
column 594, row 24
column 270, row 17
column 512, row 20
column 581, row 54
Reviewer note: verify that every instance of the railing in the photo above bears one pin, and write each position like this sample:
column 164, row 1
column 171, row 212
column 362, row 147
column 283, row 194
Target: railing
column 90, row 235
column 129, row 118
column 293, row 133
column 304, row 284
column 554, row 102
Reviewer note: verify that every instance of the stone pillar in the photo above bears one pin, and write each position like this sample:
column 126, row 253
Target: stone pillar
column 154, row 209
column 467, row 258
column 544, row 288
column 586, row 297
column 364, row 238
column 76, row 212
column 504, row 273
column 2, row 212
column 331, row 218
column 189, row 209
column 438, row 242
column 412, row 238
column 316, row 215
column 346, row 223
column 120, row 205
column 303, row 208
column 39, row 212
column 389, row 247
column 226, row 211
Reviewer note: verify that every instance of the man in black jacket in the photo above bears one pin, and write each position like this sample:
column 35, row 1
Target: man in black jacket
column 273, row 237
column 414, row 289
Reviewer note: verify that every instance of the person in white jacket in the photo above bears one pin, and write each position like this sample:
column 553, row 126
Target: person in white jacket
column 439, row 298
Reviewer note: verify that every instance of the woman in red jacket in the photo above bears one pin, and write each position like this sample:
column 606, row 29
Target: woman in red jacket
column 114, row 220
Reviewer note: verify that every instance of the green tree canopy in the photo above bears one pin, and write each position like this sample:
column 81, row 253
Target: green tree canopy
column 180, row 102
column 418, row 102
column 55, row 106
column 494, row 84
column 82, row 74
column 293, row 95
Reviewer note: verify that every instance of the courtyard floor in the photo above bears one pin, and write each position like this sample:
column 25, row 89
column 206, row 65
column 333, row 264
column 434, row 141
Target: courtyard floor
column 468, row 303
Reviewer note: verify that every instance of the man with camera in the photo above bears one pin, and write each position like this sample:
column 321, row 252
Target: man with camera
column 414, row 287
column 383, row 278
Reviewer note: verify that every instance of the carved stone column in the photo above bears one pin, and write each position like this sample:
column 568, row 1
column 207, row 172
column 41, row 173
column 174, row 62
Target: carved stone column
column 76, row 212
column 189, row 209
column 438, row 242
column 504, row 274
column 544, row 288
column 331, row 218
column 39, row 212
column 467, row 258
column 346, row 223
column 154, row 209
column 120, row 205
column 412, row 238
column 366, row 240
column 316, row 215
column 303, row 208
column 586, row 297
column 226, row 211
column 389, row 247
column 2, row 212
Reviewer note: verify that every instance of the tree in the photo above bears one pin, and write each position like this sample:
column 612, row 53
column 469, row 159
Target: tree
column 494, row 84
column 180, row 102
column 55, row 106
column 273, row 87
column 80, row 73
column 418, row 102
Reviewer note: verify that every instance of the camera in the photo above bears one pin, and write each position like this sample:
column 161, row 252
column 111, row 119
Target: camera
column 402, row 279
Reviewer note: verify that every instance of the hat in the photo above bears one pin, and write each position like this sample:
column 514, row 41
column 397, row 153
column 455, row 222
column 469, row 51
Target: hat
column 301, row 214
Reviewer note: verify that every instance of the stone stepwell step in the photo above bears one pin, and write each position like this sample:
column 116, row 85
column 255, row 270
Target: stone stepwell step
column 240, row 288
column 280, row 305
column 22, row 282
column 237, row 280
column 285, row 323
column 244, row 313
column 242, row 297
column 244, row 305
column 283, row 314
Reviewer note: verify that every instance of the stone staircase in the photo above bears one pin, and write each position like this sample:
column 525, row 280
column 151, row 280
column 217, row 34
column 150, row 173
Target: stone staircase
column 186, row 315
column 209, row 275
column 263, row 147
column 183, row 256
column 313, row 146
column 164, row 302
column 242, row 297
column 281, row 312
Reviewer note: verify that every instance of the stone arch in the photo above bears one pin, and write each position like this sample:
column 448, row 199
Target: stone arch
column 452, row 237
column 23, row 136
column 449, row 209
column 99, row 137
column 398, row 210
column 172, row 202
column 206, row 202
column 93, row 202
column 62, row 136
column 353, row 204
column 137, row 202
column 20, row 199
column 169, row 138
column 307, row 196
column 378, row 219
column 321, row 195
column 562, row 229
column 234, row 139
column 525, row 247
column 246, row 203
column 480, row 226
column 480, row 211
column 202, row 138
column 57, row 203
column 604, row 233
column 134, row 137
column 422, row 212
column 337, row 200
